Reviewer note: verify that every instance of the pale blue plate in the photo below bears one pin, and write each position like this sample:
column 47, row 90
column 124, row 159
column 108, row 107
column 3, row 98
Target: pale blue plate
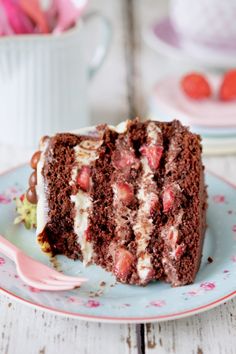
column 113, row 302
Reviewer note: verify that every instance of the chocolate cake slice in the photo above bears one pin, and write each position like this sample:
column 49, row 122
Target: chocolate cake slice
column 129, row 198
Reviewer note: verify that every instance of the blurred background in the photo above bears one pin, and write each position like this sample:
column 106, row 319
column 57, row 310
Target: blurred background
column 65, row 64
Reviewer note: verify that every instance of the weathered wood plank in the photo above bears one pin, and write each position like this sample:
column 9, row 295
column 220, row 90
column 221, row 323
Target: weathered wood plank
column 210, row 332
column 33, row 331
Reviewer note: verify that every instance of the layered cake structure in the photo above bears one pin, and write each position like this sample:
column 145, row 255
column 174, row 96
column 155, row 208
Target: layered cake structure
column 129, row 198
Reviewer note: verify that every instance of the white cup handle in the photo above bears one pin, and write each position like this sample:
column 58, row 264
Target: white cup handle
column 102, row 48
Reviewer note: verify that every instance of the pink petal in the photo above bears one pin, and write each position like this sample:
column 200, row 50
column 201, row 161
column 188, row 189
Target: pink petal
column 5, row 27
column 19, row 22
column 68, row 15
column 32, row 9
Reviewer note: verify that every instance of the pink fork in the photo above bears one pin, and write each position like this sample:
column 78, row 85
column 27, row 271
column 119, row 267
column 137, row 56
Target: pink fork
column 35, row 273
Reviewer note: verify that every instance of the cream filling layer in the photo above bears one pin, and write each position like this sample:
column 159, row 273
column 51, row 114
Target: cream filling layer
column 42, row 205
column 147, row 197
column 143, row 226
column 85, row 153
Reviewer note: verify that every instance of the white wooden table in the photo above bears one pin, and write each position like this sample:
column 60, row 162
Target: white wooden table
column 119, row 91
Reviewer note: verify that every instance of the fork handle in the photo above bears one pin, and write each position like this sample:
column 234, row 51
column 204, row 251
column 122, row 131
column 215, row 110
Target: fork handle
column 8, row 249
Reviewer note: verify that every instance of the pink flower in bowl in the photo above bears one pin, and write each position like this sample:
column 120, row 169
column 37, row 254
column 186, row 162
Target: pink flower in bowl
column 207, row 286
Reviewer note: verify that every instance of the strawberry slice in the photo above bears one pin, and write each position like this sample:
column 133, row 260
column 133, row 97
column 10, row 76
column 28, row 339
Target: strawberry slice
column 228, row 87
column 196, row 86
column 122, row 263
column 125, row 192
column 153, row 154
column 88, row 235
column 179, row 251
column 124, row 158
column 83, row 178
column 168, row 199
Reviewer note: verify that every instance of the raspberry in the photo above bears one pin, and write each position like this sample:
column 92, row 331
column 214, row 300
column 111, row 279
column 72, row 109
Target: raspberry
column 153, row 154
column 83, row 178
column 227, row 90
column 196, row 86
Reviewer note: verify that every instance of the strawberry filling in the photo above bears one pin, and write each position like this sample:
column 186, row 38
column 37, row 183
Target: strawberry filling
column 83, row 178
column 125, row 192
column 153, row 154
column 168, row 199
column 124, row 158
column 122, row 263
column 179, row 251
column 87, row 235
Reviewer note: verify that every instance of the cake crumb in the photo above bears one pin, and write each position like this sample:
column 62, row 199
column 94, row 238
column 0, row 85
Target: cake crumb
column 210, row 259
column 95, row 293
column 103, row 283
column 114, row 284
